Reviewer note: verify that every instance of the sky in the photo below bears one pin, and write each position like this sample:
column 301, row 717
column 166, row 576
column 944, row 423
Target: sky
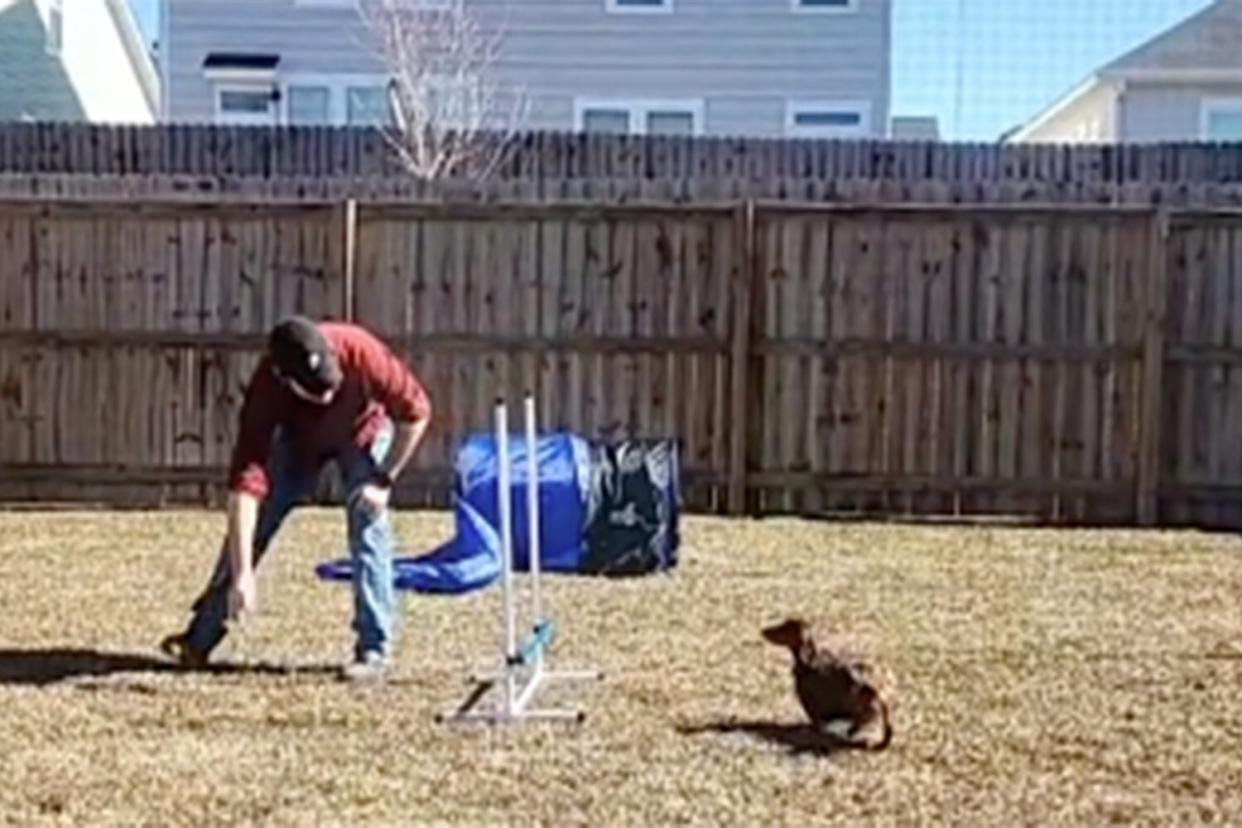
column 984, row 66
column 1013, row 57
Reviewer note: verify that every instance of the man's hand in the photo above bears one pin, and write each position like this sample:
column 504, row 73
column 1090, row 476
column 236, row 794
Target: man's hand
column 242, row 596
column 373, row 498
column 374, row 495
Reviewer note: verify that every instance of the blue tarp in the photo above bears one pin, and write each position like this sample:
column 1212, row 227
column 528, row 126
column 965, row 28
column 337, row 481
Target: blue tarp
column 472, row 559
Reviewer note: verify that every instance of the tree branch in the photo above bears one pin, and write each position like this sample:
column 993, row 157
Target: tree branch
column 451, row 116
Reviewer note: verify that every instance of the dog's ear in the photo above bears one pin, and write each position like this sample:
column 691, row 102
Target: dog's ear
column 788, row 633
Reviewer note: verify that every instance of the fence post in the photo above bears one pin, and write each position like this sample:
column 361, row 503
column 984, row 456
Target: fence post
column 740, row 352
column 1151, row 420
column 351, row 258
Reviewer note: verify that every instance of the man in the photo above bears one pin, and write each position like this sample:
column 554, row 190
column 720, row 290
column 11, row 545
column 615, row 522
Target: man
column 327, row 391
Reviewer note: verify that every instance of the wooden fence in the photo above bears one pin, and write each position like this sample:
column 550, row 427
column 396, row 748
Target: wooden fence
column 1075, row 363
column 211, row 151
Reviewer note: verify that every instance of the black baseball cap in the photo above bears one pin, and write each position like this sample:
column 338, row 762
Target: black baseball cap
column 300, row 352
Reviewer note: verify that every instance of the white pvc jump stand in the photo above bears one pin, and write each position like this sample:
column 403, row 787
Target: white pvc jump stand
column 523, row 670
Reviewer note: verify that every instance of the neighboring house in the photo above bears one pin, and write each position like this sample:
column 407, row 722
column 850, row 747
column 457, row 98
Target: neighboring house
column 74, row 60
column 1183, row 85
column 805, row 68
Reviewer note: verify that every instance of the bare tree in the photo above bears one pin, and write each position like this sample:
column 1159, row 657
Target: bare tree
column 452, row 115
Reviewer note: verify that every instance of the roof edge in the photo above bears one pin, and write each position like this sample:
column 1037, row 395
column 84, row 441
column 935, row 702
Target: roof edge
column 1084, row 88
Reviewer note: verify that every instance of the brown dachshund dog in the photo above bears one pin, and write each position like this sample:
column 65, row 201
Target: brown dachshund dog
column 832, row 686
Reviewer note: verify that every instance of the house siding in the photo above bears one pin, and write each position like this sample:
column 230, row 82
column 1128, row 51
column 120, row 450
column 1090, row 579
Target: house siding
column 1169, row 112
column 33, row 83
column 743, row 59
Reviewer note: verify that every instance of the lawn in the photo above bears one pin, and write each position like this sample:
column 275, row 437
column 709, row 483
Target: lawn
column 1067, row 677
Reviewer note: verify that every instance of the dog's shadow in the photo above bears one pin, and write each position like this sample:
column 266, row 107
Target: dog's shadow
column 41, row 667
column 796, row 738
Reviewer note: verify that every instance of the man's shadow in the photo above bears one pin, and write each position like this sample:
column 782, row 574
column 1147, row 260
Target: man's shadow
column 796, row 738
column 42, row 667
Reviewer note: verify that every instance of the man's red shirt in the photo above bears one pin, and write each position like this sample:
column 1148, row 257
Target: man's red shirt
column 375, row 384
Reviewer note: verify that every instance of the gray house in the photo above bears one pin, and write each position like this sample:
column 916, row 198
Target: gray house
column 74, row 60
column 1183, row 85
column 808, row 68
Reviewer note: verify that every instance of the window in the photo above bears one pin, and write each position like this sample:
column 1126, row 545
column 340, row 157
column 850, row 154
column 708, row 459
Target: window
column 1225, row 126
column 828, row 119
column 245, row 105
column 334, row 99
column 1222, row 119
column 244, row 85
column 825, row 6
column 366, row 106
column 639, row 117
column 670, row 123
column 639, row 6
column 55, row 37
column 606, row 120
column 309, row 105
column 244, row 102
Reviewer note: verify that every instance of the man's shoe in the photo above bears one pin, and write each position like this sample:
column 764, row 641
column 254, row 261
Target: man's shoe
column 371, row 668
column 178, row 648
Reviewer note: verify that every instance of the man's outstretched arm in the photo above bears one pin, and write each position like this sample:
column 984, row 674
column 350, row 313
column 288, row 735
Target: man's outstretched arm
column 248, row 485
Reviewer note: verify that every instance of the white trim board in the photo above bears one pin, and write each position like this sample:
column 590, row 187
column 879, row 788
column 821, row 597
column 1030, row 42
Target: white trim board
column 1056, row 108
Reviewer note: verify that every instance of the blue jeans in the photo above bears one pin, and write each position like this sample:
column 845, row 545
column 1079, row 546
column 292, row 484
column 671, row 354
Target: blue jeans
column 370, row 548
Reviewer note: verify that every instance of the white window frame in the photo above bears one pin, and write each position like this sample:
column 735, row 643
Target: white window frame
column 338, row 85
column 799, row 106
column 850, row 7
column 639, row 108
column 239, row 119
column 1216, row 105
column 614, row 7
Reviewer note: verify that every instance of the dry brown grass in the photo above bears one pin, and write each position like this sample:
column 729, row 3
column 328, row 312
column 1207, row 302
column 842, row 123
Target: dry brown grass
column 1044, row 677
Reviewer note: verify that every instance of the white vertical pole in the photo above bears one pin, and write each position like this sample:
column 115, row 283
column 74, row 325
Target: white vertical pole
column 506, row 546
column 517, row 695
column 532, row 504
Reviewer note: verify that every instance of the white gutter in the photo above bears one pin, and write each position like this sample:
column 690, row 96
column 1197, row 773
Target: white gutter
column 136, row 49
